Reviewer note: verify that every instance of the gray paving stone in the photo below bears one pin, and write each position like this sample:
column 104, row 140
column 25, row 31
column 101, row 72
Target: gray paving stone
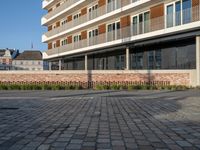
column 114, row 120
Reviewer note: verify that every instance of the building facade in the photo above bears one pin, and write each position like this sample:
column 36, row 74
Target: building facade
column 139, row 35
column 6, row 57
column 29, row 60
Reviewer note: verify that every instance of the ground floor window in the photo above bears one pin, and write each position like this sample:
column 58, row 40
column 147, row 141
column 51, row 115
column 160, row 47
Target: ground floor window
column 75, row 63
column 173, row 55
column 114, row 60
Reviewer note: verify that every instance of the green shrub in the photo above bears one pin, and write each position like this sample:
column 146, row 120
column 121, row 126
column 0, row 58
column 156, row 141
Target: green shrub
column 78, row 87
column 134, row 87
column 102, row 87
column 14, row 87
column 115, row 87
column 123, row 87
column 3, row 87
column 47, row 87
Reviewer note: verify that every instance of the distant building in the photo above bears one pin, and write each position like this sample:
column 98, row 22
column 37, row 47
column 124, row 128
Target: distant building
column 6, row 57
column 29, row 60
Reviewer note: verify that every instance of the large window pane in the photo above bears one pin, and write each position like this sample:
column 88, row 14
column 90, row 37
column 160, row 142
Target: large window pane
column 170, row 19
column 146, row 22
column 137, row 60
column 135, row 25
column 150, row 55
column 140, row 23
column 178, row 13
column 158, row 59
column 186, row 5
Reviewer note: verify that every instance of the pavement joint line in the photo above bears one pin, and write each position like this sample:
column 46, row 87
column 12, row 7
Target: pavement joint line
column 77, row 98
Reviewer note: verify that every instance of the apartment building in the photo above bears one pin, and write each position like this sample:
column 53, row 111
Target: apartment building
column 138, row 35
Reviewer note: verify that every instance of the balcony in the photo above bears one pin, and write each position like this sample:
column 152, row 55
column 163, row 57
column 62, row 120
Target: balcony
column 187, row 19
column 88, row 17
column 65, row 6
column 46, row 3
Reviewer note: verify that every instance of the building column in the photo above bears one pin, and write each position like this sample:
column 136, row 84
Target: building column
column 127, row 58
column 198, row 59
column 60, row 64
column 86, row 62
column 50, row 64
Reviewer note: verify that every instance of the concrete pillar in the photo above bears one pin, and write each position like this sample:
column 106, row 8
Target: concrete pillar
column 127, row 58
column 86, row 62
column 198, row 59
column 60, row 64
column 50, row 64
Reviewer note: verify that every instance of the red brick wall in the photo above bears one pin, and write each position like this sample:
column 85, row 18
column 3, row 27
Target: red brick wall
column 82, row 77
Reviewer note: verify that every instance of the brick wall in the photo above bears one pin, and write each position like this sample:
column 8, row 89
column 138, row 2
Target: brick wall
column 96, row 77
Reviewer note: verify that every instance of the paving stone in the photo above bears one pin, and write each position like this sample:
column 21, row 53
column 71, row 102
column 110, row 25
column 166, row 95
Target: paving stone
column 114, row 120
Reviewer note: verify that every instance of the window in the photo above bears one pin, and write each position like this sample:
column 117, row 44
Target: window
column 93, row 36
column 158, row 59
column 170, row 18
column 54, row 45
column 77, row 38
column 113, row 31
column 135, row 25
column 64, row 42
column 141, row 23
column 112, row 5
column 150, row 59
column 76, row 16
column 186, row 6
column 178, row 13
column 173, row 55
column 146, row 22
column 93, row 11
column 120, row 62
column 137, row 60
column 63, row 22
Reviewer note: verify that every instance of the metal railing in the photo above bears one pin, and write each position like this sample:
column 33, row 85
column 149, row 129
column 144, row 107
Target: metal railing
column 125, row 34
column 90, row 16
column 60, row 8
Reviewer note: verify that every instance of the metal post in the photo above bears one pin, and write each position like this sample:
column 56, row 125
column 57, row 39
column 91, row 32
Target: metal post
column 86, row 62
column 127, row 58
column 50, row 64
column 60, row 64
column 198, row 59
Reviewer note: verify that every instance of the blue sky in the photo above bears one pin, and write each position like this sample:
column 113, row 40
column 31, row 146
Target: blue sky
column 20, row 24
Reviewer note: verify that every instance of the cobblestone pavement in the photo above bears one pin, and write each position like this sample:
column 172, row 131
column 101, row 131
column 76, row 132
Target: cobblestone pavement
column 103, row 120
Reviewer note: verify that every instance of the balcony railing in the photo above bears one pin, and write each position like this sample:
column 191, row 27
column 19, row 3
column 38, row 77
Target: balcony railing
column 125, row 34
column 60, row 8
column 45, row 3
column 90, row 16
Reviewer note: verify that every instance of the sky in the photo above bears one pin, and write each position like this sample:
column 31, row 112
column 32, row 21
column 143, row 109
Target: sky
column 20, row 24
